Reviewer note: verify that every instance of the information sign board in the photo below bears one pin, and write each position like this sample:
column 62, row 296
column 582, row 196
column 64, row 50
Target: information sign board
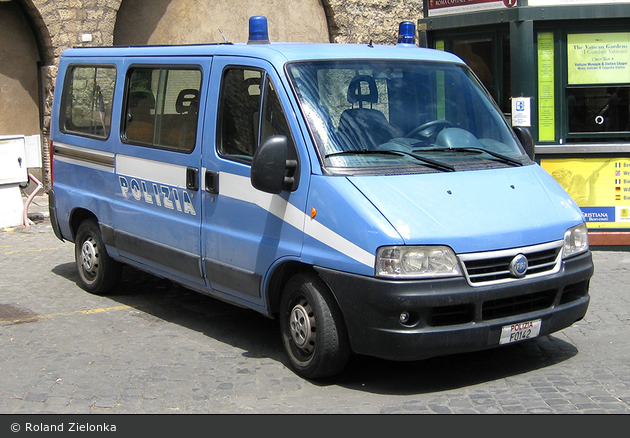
column 599, row 186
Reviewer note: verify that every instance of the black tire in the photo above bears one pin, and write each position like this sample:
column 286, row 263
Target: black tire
column 98, row 272
column 313, row 331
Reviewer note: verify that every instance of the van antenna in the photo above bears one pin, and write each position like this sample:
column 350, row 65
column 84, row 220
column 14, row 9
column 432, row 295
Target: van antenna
column 224, row 37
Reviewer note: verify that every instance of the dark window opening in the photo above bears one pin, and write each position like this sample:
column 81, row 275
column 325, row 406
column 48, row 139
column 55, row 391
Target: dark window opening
column 599, row 109
column 241, row 126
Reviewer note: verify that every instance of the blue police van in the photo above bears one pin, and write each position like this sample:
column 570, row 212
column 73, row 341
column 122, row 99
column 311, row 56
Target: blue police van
column 371, row 198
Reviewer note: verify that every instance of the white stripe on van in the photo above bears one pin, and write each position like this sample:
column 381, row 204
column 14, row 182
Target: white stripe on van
column 151, row 170
column 240, row 188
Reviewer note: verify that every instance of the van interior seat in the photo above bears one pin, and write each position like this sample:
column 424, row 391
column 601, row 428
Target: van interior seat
column 140, row 120
column 365, row 128
column 180, row 130
column 187, row 101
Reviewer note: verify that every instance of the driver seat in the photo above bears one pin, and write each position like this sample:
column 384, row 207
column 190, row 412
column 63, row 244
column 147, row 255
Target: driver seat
column 365, row 128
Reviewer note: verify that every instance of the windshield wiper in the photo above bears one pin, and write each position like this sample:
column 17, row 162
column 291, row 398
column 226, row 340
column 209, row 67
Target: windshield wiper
column 361, row 152
column 480, row 150
column 428, row 161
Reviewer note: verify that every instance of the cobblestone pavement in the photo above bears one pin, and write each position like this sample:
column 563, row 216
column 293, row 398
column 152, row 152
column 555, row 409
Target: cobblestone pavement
column 155, row 347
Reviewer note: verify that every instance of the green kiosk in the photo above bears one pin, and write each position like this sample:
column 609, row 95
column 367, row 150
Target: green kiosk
column 562, row 69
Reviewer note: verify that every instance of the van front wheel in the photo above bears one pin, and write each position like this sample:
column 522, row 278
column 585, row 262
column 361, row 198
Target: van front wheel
column 313, row 331
column 98, row 272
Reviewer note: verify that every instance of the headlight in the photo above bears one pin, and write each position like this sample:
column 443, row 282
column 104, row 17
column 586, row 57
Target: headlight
column 416, row 262
column 575, row 241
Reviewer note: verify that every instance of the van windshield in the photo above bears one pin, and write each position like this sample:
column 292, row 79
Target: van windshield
column 413, row 116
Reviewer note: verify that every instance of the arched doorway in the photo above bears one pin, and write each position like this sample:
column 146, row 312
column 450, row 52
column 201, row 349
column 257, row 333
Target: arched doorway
column 191, row 22
column 19, row 78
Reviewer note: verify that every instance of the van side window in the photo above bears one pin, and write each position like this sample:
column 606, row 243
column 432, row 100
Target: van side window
column 87, row 101
column 240, row 113
column 274, row 121
column 162, row 107
column 240, row 118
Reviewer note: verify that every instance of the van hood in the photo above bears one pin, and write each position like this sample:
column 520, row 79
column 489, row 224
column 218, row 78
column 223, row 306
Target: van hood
column 472, row 211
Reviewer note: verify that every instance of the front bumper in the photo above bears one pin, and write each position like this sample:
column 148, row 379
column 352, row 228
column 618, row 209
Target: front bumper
column 448, row 315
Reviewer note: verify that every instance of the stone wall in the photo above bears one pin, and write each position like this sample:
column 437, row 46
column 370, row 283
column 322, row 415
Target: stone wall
column 60, row 24
column 64, row 22
column 362, row 21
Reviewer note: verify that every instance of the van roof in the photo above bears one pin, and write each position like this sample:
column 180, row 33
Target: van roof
column 273, row 52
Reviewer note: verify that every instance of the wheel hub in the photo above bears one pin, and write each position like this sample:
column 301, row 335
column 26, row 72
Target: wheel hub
column 300, row 325
column 88, row 255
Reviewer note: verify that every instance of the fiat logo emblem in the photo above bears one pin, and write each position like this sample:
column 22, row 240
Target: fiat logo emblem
column 519, row 265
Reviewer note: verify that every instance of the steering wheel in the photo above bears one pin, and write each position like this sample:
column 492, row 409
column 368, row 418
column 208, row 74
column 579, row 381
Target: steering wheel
column 429, row 129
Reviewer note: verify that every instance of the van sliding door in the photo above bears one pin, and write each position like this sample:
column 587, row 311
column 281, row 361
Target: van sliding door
column 158, row 168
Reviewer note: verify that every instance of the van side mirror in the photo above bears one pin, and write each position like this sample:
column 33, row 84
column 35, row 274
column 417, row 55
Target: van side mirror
column 526, row 139
column 271, row 171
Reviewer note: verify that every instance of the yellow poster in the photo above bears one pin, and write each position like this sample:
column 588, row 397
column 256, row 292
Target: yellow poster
column 546, row 88
column 598, row 58
column 600, row 186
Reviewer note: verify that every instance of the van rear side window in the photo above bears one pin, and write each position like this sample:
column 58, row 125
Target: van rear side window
column 162, row 107
column 87, row 103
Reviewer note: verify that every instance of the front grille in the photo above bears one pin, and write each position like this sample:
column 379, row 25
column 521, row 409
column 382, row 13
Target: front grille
column 511, row 306
column 451, row 315
column 494, row 266
column 491, row 268
column 441, row 316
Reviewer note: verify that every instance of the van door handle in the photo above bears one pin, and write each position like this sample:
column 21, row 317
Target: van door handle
column 212, row 182
column 192, row 178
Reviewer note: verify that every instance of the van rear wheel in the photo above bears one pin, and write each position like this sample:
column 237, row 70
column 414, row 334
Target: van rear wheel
column 313, row 331
column 98, row 272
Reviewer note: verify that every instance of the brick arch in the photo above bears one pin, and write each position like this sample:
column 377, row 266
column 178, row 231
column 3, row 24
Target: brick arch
column 19, row 87
column 184, row 22
column 358, row 21
column 40, row 31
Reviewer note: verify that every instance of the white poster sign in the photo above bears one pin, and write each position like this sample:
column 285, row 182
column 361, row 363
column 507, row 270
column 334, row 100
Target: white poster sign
column 521, row 111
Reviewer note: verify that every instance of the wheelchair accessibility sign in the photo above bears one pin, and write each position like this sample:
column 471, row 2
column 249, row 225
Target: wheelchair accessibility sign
column 521, row 111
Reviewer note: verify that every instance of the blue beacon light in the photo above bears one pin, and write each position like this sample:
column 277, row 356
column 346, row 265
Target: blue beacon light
column 406, row 33
column 258, row 30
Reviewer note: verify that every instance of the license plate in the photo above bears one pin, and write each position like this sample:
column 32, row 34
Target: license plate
column 520, row 331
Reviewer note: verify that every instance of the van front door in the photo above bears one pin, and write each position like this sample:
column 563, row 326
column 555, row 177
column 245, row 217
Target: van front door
column 245, row 230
